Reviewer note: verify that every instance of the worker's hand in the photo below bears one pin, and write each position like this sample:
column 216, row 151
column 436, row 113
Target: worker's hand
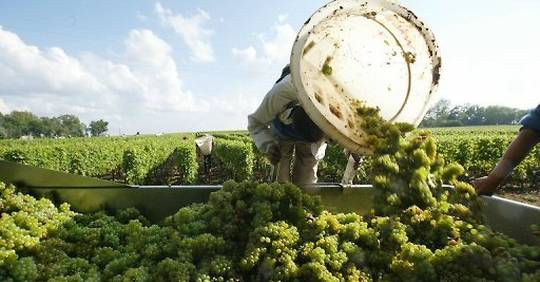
column 273, row 153
column 485, row 185
column 357, row 157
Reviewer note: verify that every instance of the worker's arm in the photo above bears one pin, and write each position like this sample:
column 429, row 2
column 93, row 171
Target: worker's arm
column 275, row 102
column 527, row 138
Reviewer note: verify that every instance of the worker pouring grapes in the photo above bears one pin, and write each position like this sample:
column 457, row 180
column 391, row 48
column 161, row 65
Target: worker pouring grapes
column 347, row 55
column 282, row 130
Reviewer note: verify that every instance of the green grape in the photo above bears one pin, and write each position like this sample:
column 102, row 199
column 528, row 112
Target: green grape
column 418, row 230
column 413, row 264
column 24, row 269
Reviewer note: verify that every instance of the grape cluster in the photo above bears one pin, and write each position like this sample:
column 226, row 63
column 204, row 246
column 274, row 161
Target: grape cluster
column 418, row 231
column 24, row 222
column 261, row 232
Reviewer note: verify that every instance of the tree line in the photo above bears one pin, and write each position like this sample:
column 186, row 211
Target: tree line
column 22, row 123
column 443, row 114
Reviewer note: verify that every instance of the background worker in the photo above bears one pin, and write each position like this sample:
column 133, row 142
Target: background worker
column 527, row 138
column 205, row 144
column 282, row 129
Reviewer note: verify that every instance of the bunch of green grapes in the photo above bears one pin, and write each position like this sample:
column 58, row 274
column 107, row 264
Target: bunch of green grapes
column 261, row 232
column 419, row 231
column 443, row 226
column 24, row 223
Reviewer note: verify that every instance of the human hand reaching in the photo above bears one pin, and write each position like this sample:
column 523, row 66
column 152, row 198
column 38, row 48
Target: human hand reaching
column 485, row 185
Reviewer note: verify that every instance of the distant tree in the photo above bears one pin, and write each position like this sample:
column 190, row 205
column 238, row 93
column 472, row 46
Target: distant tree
column 98, row 127
column 438, row 112
column 71, row 126
column 442, row 114
column 475, row 115
column 502, row 115
column 20, row 123
column 3, row 131
column 37, row 127
column 17, row 123
column 51, row 126
column 442, row 108
column 458, row 114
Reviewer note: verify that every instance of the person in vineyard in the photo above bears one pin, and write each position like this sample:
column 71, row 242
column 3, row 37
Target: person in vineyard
column 280, row 126
column 205, row 143
column 527, row 138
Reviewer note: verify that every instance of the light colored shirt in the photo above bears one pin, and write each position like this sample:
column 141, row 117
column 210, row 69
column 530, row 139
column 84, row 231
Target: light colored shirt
column 205, row 143
column 274, row 103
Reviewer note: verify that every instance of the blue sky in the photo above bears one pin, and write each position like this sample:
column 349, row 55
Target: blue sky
column 173, row 66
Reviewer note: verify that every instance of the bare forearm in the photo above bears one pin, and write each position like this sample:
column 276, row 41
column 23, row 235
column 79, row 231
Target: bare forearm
column 516, row 152
column 522, row 145
column 527, row 138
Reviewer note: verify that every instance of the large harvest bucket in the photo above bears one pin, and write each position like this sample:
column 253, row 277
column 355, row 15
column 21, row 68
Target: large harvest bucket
column 376, row 52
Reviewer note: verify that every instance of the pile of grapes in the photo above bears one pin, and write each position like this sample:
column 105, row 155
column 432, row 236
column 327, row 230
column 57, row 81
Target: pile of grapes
column 418, row 231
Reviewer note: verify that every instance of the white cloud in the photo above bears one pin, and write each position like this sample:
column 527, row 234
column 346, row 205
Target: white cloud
column 248, row 55
column 489, row 56
column 264, row 61
column 26, row 69
column 274, row 49
column 282, row 18
column 193, row 31
column 150, row 62
column 235, row 104
column 144, row 81
column 141, row 17
column 499, row 67
column 141, row 90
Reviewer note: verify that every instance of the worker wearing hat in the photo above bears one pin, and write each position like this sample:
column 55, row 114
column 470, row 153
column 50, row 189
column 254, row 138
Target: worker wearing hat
column 281, row 128
column 528, row 137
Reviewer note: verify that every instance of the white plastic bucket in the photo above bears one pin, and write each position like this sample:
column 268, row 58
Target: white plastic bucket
column 374, row 51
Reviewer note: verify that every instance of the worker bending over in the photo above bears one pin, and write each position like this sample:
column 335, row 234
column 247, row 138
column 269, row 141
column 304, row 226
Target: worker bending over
column 281, row 128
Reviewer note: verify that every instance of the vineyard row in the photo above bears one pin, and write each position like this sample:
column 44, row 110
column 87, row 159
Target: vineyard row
column 173, row 159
